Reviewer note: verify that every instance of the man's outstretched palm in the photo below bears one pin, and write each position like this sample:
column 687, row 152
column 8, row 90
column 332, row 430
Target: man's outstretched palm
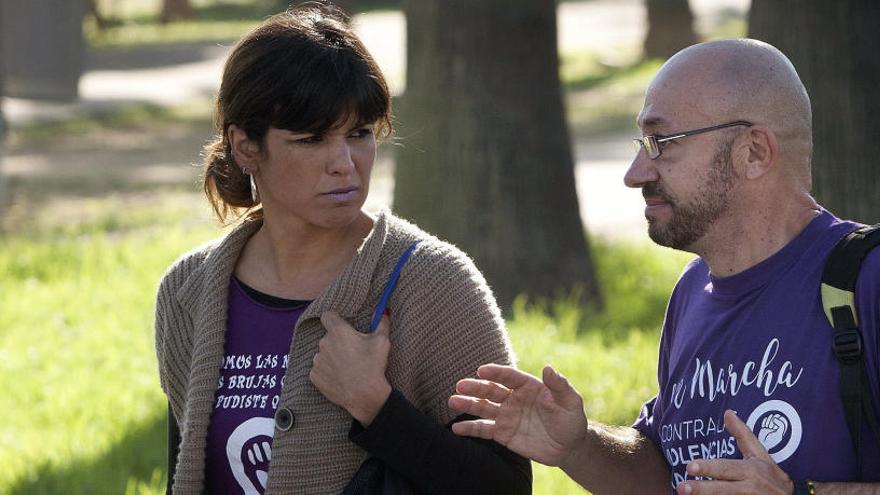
column 540, row 420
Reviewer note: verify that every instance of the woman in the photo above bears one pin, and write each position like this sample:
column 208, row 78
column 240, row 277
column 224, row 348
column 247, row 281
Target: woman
column 263, row 337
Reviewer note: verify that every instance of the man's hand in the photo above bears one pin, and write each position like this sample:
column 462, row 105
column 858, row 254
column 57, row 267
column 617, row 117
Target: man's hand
column 754, row 473
column 349, row 368
column 544, row 421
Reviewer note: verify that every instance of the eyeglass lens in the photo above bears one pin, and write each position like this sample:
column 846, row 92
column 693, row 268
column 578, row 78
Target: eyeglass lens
column 650, row 145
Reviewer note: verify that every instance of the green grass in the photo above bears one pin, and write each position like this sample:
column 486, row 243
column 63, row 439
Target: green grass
column 135, row 23
column 83, row 409
column 144, row 34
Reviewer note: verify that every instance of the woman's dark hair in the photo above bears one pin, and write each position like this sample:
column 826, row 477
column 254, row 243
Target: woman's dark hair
column 303, row 70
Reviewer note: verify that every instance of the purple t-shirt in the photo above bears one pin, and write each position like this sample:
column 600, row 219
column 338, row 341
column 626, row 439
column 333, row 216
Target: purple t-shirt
column 759, row 343
column 240, row 435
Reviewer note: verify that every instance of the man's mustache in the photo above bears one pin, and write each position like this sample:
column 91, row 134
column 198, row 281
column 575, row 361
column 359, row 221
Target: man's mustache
column 654, row 190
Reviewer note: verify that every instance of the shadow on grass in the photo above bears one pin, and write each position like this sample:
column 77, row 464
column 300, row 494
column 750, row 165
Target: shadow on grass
column 136, row 458
column 146, row 56
column 604, row 73
column 31, row 188
column 113, row 115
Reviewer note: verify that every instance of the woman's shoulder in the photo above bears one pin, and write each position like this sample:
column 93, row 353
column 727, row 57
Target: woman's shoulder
column 224, row 250
column 186, row 264
column 432, row 254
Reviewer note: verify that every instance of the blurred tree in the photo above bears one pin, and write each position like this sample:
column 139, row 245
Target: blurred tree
column 93, row 10
column 834, row 46
column 670, row 28
column 486, row 161
column 43, row 48
column 175, row 10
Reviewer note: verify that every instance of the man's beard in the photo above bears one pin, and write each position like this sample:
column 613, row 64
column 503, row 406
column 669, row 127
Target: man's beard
column 690, row 221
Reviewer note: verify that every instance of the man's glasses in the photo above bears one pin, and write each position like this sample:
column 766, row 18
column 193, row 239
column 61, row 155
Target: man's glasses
column 652, row 143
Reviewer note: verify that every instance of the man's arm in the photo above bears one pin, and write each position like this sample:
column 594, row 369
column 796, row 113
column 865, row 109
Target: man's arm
column 545, row 421
column 618, row 460
column 847, row 488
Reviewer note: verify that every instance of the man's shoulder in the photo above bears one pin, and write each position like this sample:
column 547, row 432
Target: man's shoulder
column 869, row 274
column 872, row 261
column 869, row 265
column 696, row 271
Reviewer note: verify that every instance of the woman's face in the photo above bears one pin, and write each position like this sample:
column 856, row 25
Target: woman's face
column 321, row 180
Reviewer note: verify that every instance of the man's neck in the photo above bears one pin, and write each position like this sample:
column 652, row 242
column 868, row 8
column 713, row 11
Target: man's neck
column 745, row 239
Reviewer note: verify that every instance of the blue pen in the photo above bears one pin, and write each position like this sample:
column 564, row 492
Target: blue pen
column 389, row 287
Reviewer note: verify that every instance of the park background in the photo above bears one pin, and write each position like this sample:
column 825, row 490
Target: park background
column 99, row 189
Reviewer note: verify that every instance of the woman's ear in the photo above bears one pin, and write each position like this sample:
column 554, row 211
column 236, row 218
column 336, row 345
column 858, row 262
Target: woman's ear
column 245, row 151
column 763, row 151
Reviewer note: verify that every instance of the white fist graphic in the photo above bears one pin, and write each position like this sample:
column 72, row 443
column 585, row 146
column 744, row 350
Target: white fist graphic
column 249, row 453
column 773, row 429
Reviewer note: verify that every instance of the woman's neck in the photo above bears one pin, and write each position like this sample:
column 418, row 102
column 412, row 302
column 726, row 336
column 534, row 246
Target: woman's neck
column 299, row 261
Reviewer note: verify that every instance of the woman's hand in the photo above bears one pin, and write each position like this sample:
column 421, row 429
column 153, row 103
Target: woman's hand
column 349, row 368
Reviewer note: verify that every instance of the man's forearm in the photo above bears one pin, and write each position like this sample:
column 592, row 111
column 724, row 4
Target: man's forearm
column 618, row 460
column 833, row 488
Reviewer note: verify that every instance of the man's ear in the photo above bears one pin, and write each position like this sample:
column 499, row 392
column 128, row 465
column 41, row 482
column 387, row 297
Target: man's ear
column 762, row 151
column 245, row 151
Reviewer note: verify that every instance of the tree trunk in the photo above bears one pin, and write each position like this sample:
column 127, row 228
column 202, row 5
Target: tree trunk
column 43, row 48
column 175, row 10
column 670, row 28
column 485, row 160
column 834, row 46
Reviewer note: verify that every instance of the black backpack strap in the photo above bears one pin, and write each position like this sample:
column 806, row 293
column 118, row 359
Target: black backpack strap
column 838, row 300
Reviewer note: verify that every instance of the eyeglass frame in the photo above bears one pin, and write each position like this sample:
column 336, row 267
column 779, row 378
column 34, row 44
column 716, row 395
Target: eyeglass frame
column 654, row 140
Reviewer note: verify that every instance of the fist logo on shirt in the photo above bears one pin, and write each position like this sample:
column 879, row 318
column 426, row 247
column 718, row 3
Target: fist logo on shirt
column 773, row 429
column 259, row 454
column 778, row 427
column 249, row 452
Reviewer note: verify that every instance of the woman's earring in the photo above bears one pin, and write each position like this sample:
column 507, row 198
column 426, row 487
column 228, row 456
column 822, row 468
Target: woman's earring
column 255, row 197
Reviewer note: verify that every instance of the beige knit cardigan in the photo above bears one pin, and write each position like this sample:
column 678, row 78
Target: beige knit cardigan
column 445, row 323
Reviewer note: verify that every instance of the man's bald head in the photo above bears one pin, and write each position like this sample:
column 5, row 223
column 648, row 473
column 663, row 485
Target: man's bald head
column 744, row 79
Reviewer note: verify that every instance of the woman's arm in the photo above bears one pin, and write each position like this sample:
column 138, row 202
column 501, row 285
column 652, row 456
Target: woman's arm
column 387, row 425
column 173, row 449
column 436, row 460
column 445, row 325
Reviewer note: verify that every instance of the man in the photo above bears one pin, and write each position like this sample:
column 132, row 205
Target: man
column 748, row 398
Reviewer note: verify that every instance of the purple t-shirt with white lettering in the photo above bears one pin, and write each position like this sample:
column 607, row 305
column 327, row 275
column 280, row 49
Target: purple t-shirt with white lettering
column 240, row 435
column 759, row 343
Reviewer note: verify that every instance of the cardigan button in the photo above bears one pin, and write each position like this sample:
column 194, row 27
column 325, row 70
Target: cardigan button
column 283, row 419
